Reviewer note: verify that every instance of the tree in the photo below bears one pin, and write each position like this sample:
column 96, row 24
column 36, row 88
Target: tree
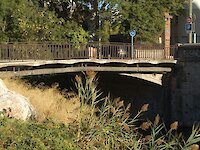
column 102, row 18
column 146, row 16
column 6, row 22
column 25, row 21
column 76, row 20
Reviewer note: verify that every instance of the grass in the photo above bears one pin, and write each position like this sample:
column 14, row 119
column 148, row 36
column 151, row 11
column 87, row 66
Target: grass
column 97, row 123
column 16, row 134
column 49, row 102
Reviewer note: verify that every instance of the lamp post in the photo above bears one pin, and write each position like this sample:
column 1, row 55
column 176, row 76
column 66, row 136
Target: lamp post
column 190, row 15
column 194, row 28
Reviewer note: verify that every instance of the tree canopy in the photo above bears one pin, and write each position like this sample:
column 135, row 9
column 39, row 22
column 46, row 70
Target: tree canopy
column 83, row 20
column 24, row 20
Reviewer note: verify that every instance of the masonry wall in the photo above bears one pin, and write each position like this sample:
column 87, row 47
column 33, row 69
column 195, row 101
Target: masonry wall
column 185, row 86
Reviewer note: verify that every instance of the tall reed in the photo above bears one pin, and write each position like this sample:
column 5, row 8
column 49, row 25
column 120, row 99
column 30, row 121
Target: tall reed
column 106, row 124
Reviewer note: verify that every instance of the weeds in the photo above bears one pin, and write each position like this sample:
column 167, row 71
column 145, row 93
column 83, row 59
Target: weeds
column 20, row 135
column 99, row 123
column 49, row 102
column 106, row 124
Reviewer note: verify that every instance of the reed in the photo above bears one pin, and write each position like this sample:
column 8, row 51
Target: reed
column 103, row 123
column 49, row 102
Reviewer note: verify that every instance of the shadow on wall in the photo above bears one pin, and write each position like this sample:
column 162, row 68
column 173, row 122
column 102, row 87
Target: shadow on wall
column 132, row 90
column 137, row 92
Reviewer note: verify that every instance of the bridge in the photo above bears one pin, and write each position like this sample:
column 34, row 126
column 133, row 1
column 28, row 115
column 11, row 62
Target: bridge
column 176, row 99
column 34, row 58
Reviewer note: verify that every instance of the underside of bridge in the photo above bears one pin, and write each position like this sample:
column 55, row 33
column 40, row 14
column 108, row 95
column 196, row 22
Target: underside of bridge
column 130, row 89
column 24, row 68
column 138, row 91
column 135, row 81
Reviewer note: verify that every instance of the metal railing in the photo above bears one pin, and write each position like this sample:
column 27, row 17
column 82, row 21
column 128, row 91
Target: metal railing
column 66, row 51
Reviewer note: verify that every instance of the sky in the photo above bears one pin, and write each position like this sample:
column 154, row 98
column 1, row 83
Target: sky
column 197, row 2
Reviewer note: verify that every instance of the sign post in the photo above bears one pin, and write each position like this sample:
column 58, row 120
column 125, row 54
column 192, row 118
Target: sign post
column 132, row 34
column 190, row 21
column 189, row 28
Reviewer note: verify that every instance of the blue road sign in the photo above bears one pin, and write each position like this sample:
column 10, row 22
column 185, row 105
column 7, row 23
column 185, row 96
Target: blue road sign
column 188, row 27
column 132, row 33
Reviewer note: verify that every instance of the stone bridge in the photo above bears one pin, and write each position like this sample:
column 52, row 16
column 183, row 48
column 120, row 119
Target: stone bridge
column 169, row 80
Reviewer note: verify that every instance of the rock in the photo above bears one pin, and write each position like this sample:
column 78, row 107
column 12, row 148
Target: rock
column 14, row 105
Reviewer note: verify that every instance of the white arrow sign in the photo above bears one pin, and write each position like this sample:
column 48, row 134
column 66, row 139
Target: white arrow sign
column 132, row 33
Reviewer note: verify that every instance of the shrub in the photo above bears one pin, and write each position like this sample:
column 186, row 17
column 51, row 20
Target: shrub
column 16, row 134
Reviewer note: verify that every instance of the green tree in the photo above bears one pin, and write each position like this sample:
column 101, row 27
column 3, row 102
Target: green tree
column 121, row 16
column 6, row 8
column 75, row 20
column 146, row 16
column 25, row 21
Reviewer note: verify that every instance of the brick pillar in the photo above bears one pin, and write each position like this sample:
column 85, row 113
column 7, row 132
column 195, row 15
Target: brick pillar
column 166, row 35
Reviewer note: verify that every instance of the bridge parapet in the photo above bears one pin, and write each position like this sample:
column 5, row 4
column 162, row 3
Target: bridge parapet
column 189, row 52
column 67, row 51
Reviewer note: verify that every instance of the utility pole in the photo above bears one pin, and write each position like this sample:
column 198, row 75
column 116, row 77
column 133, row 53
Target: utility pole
column 190, row 15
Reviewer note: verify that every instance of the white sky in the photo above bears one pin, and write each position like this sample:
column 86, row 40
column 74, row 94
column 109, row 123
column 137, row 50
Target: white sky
column 197, row 2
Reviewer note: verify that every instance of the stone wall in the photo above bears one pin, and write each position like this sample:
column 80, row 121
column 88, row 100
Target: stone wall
column 185, row 86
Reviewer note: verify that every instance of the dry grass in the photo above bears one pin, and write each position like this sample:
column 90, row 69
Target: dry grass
column 112, row 128
column 48, row 102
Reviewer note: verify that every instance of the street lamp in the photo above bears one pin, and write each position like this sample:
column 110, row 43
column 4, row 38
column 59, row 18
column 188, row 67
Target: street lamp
column 190, row 15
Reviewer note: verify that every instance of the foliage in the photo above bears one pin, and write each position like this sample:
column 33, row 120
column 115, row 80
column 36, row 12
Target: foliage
column 106, row 124
column 147, row 17
column 24, row 21
column 48, row 102
column 103, row 123
column 79, row 20
column 32, row 135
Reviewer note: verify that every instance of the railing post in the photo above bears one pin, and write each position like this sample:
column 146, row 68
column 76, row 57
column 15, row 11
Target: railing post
column 132, row 49
column 99, row 50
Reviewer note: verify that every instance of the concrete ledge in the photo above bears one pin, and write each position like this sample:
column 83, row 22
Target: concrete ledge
column 80, row 69
column 8, row 63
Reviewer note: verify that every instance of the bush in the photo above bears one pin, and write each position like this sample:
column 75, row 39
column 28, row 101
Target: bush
column 16, row 134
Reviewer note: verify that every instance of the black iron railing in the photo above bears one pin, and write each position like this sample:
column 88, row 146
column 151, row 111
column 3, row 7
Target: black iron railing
column 66, row 51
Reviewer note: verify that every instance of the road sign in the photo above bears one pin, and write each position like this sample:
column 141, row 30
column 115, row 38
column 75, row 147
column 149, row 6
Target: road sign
column 132, row 33
column 188, row 27
column 189, row 20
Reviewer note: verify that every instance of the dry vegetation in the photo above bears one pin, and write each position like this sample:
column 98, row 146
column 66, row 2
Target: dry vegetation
column 103, row 124
column 49, row 102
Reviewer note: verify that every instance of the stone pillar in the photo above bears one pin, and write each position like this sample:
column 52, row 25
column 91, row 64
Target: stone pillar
column 166, row 35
